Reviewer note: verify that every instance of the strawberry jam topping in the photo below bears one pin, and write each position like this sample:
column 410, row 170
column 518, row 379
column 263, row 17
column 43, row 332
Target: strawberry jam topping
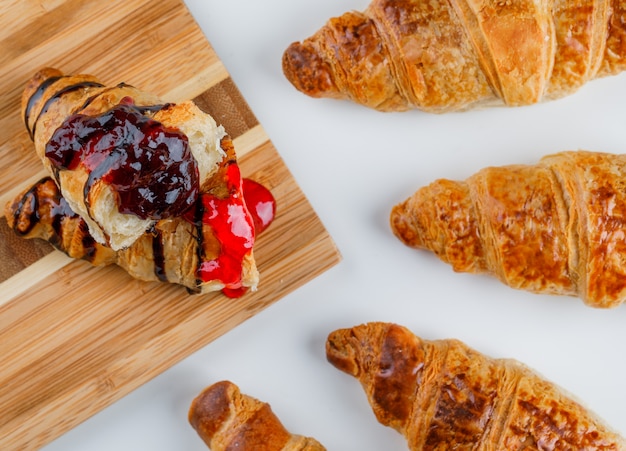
column 262, row 207
column 233, row 227
column 261, row 204
column 150, row 167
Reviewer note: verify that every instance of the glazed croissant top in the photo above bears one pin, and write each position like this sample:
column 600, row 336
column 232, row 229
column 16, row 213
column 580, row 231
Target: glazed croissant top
column 444, row 395
column 122, row 157
column 441, row 56
column 555, row 227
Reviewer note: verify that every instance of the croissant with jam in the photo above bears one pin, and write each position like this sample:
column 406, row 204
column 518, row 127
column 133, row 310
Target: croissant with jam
column 555, row 227
column 122, row 158
column 227, row 419
column 441, row 56
column 206, row 249
column 442, row 394
column 152, row 187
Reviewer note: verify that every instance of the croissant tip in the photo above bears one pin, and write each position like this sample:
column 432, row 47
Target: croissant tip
column 211, row 403
column 37, row 81
column 308, row 71
column 401, row 227
column 340, row 353
column 40, row 77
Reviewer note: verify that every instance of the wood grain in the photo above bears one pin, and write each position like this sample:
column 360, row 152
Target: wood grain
column 76, row 338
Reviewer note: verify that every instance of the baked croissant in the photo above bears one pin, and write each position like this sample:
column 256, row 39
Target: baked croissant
column 122, row 157
column 200, row 250
column 226, row 419
column 444, row 395
column 441, row 56
column 557, row 227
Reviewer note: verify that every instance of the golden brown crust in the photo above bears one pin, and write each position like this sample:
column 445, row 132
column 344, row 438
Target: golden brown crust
column 594, row 184
column 523, row 218
column 444, row 395
column 226, row 419
column 615, row 50
column 555, row 227
column 445, row 222
column 443, row 56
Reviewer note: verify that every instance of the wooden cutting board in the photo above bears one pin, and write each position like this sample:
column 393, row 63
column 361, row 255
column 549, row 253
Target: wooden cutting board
column 75, row 338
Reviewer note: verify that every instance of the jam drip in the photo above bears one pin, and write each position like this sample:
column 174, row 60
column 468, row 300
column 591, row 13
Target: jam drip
column 233, row 227
column 150, row 167
column 260, row 203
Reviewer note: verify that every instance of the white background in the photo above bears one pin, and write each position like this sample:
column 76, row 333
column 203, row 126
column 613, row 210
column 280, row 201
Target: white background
column 354, row 164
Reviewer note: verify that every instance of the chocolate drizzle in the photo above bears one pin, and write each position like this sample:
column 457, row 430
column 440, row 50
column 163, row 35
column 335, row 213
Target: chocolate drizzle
column 28, row 209
column 197, row 222
column 28, row 203
column 89, row 243
column 58, row 94
column 34, row 98
column 95, row 96
column 44, row 205
column 158, row 255
column 152, row 108
column 141, row 108
column 59, row 211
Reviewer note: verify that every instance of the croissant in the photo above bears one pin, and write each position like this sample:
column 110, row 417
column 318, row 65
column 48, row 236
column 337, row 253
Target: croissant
column 122, row 157
column 440, row 56
column 226, row 419
column 556, row 227
column 209, row 248
column 444, row 395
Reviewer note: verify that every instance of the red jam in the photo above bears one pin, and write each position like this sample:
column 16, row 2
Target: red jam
column 234, row 292
column 233, row 227
column 261, row 204
column 235, row 221
column 149, row 166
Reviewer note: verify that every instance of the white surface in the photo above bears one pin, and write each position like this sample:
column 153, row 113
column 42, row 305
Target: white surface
column 354, row 164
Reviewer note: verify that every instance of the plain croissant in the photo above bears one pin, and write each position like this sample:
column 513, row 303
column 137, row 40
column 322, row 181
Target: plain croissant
column 185, row 250
column 226, row 419
column 557, row 227
column 441, row 56
column 443, row 395
column 122, row 157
